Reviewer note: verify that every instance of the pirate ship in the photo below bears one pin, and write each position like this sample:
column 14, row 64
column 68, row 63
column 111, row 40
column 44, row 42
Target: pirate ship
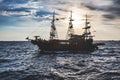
column 74, row 42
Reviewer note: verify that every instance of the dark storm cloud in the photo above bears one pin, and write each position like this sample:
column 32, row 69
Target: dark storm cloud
column 91, row 7
column 114, row 9
column 109, row 16
column 117, row 2
column 64, row 10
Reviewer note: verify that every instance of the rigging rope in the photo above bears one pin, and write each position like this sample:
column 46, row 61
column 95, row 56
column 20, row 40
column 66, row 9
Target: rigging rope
column 33, row 31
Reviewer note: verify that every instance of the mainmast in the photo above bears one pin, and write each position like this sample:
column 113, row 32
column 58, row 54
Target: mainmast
column 53, row 32
column 87, row 33
column 70, row 28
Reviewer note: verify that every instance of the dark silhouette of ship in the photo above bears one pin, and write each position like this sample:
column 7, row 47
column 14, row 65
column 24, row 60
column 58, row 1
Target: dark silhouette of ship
column 74, row 42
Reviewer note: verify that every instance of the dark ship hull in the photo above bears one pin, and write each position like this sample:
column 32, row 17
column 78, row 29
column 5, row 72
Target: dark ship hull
column 65, row 45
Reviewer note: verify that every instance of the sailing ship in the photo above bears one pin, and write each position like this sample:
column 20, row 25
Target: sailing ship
column 74, row 42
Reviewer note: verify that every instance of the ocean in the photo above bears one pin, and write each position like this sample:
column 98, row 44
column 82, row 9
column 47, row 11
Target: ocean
column 20, row 60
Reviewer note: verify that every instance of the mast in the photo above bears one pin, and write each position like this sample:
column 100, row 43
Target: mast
column 70, row 28
column 53, row 32
column 87, row 33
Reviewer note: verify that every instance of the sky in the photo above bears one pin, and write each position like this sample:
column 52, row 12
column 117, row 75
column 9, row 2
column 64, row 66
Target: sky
column 22, row 18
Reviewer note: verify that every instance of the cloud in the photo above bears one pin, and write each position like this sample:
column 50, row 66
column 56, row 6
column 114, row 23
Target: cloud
column 10, row 6
column 111, row 7
column 9, row 2
column 13, row 12
column 117, row 2
column 22, row 9
column 64, row 10
column 44, row 7
column 27, row 14
column 109, row 16
column 43, row 13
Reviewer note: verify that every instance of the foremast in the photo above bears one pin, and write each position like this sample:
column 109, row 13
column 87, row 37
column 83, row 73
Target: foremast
column 70, row 28
column 53, row 32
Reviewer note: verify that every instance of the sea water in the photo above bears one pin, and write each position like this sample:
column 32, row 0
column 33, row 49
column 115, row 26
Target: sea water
column 20, row 60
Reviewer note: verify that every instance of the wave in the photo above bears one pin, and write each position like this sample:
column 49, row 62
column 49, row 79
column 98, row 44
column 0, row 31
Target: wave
column 43, row 77
column 107, row 76
column 5, row 60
